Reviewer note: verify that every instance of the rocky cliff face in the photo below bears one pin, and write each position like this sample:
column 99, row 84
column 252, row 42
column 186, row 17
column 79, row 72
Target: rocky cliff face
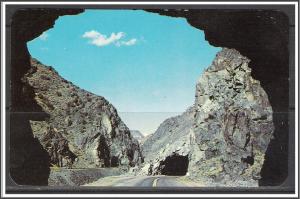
column 225, row 135
column 233, row 120
column 83, row 130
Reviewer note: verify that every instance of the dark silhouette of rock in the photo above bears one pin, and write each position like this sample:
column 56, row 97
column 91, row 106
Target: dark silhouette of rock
column 29, row 161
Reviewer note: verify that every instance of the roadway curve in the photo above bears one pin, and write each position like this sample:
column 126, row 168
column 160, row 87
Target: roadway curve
column 141, row 181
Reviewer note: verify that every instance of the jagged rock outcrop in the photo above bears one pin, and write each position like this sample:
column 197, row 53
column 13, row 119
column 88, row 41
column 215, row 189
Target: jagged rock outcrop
column 233, row 120
column 226, row 134
column 83, row 129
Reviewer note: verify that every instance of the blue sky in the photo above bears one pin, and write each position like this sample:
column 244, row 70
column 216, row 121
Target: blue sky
column 139, row 61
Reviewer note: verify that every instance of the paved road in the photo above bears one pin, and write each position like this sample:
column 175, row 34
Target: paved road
column 143, row 181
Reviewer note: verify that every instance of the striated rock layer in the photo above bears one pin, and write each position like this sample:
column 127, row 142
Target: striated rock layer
column 226, row 134
column 83, row 130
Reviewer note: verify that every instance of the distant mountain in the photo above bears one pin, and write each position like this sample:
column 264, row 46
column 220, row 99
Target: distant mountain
column 83, row 130
column 137, row 135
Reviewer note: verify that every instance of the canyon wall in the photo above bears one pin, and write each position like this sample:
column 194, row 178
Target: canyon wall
column 83, row 130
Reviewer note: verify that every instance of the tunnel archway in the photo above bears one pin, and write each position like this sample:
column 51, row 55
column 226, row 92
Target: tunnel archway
column 270, row 29
column 174, row 165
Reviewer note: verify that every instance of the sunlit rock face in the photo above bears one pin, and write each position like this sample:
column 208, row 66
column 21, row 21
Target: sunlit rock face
column 233, row 121
column 225, row 134
column 83, row 129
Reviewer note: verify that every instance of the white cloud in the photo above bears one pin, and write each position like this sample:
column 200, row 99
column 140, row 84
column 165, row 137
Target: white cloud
column 98, row 39
column 127, row 43
column 43, row 36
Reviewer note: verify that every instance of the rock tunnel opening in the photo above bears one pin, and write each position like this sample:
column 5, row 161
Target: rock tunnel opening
column 174, row 165
column 103, row 152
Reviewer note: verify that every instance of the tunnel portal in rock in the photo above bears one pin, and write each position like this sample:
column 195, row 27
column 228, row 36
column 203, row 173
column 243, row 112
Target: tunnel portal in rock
column 222, row 36
column 174, row 165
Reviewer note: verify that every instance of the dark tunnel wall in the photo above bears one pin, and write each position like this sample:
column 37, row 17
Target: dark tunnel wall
column 260, row 35
column 29, row 162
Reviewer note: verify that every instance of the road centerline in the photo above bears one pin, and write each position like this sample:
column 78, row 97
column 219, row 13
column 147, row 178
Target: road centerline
column 155, row 182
